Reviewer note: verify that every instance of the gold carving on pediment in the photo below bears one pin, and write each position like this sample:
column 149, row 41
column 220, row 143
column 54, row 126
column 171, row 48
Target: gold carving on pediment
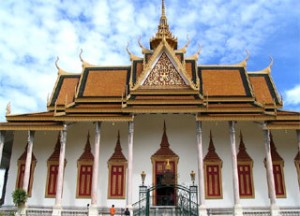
column 164, row 73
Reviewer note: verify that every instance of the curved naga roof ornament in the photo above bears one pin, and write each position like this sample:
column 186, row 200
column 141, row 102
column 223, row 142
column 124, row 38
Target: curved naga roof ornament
column 60, row 71
column 183, row 49
column 132, row 56
column 84, row 63
column 196, row 55
column 8, row 109
column 144, row 49
column 245, row 61
column 267, row 69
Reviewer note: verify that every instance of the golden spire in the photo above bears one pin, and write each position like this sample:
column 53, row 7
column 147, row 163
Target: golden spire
column 163, row 31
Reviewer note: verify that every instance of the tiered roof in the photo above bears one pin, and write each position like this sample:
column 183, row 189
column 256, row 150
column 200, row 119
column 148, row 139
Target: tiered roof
column 163, row 80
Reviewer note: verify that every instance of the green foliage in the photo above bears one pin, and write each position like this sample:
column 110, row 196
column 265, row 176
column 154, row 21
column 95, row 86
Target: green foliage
column 19, row 197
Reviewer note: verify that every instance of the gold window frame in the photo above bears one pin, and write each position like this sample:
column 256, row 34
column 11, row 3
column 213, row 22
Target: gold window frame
column 31, row 175
column 206, row 165
column 297, row 164
column 110, row 186
column 282, row 179
column 250, row 164
column 79, row 165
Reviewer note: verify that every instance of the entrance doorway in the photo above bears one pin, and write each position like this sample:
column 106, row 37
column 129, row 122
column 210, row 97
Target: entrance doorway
column 165, row 178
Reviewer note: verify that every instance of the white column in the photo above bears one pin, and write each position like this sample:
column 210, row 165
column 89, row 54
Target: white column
column 93, row 209
column 60, row 176
column 270, row 177
column 1, row 145
column 236, row 193
column 28, row 161
column 130, row 161
column 202, row 209
column 298, row 139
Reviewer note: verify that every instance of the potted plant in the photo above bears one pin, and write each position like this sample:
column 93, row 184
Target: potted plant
column 19, row 197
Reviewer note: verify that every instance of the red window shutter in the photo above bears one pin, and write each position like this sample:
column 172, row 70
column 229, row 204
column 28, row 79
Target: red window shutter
column 53, row 172
column 213, row 181
column 245, row 180
column 117, row 181
column 278, row 180
column 85, row 180
column 21, row 175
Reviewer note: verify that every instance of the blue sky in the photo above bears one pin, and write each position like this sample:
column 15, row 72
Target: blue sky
column 35, row 32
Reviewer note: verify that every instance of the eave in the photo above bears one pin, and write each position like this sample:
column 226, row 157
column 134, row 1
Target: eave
column 44, row 116
column 34, row 126
column 283, row 125
column 99, row 100
column 152, row 91
column 228, row 99
column 160, row 102
column 162, row 109
column 95, row 118
column 233, row 117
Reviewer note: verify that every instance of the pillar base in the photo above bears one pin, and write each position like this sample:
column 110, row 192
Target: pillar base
column 238, row 210
column 56, row 211
column 93, row 211
column 21, row 211
column 202, row 210
column 275, row 211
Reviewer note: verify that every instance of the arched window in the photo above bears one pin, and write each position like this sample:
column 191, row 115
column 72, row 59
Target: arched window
column 117, row 165
column 21, row 171
column 278, row 173
column 52, row 170
column 297, row 164
column 245, row 174
column 85, row 172
column 213, row 173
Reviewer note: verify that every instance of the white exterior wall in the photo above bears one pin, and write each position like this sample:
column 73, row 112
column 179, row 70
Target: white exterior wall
column 148, row 130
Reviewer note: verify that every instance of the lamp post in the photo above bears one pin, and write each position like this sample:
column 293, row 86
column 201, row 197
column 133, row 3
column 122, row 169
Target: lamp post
column 143, row 176
column 193, row 176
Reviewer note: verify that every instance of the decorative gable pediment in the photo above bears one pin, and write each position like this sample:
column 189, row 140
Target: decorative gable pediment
column 164, row 74
column 164, row 71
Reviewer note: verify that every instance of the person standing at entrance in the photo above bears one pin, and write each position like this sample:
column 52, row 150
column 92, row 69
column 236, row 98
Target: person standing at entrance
column 126, row 212
column 112, row 210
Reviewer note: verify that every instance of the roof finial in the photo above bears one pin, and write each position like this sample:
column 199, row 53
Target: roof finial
column 165, row 126
column 163, row 11
column 8, row 108
column 163, row 31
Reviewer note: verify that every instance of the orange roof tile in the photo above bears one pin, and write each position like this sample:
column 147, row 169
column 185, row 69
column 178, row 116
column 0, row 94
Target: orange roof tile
column 67, row 90
column 105, row 83
column 139, row 69
column 189, row 69
column 261, row 89
column 179, row 56
column 223, row 82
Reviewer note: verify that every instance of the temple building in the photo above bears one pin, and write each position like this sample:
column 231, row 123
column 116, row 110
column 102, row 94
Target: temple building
column 162, row 136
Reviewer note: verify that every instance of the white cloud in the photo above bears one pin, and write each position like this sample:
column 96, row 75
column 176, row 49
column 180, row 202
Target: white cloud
column 292, row 96
column 34, row 33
